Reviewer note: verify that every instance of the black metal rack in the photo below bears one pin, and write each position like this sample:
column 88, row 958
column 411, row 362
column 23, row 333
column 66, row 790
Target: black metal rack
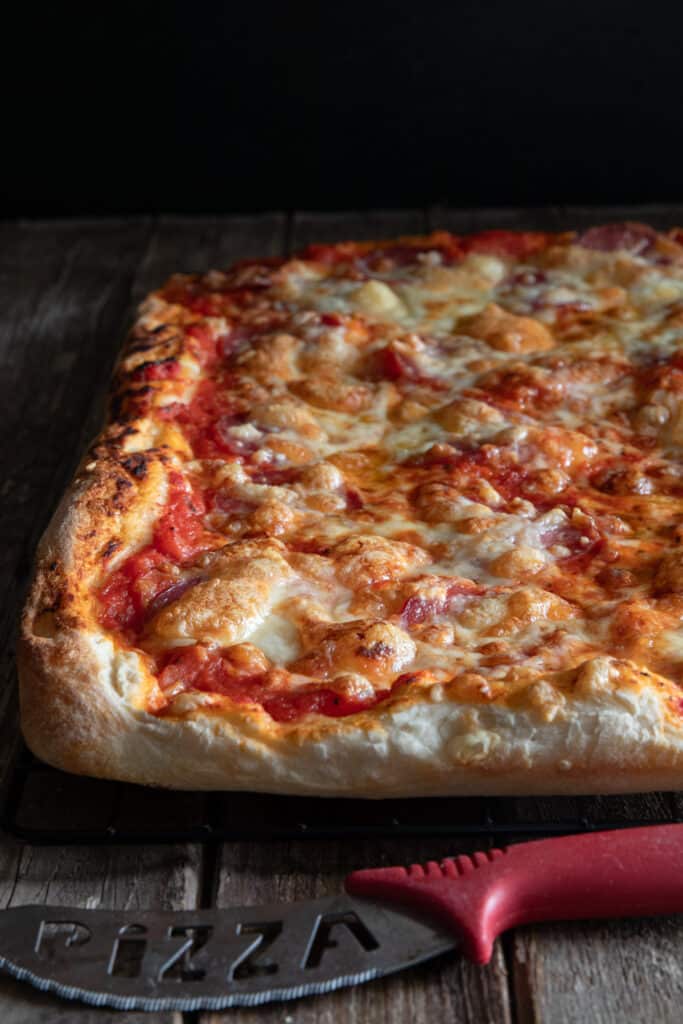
column 45, row 806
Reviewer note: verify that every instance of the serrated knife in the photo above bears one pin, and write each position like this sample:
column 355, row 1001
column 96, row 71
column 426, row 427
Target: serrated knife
column 388, row 919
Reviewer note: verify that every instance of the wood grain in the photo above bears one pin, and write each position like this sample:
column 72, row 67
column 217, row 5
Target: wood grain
column 609, row 970
column 363, row 224
column 446, row 989
column 108, row 877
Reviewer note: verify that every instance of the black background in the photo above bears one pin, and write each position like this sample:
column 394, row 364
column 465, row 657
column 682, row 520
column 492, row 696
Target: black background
column 237, row 107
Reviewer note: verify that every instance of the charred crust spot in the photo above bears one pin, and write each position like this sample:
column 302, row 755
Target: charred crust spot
column 141, row 344
column 406, row 679
column 143, row 338
column 375, row 651
column 141, row 369
column 129, row 396
column 110, row 547
column 109, row 447
column 121, row 486
column 116, row 407
column 136, row 465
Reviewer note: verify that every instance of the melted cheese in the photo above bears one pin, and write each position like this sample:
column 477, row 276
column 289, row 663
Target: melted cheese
column 453, row 456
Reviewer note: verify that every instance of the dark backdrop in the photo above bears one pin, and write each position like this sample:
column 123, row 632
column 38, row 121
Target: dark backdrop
column 219, row 106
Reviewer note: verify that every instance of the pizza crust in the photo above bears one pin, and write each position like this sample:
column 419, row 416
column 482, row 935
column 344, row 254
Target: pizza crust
column 605, row 727
column 77, row 717
column 608, row 730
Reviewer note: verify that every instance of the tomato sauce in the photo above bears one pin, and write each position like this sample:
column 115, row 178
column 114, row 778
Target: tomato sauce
column 179, row 536
column 128, row 591
column 211, row 671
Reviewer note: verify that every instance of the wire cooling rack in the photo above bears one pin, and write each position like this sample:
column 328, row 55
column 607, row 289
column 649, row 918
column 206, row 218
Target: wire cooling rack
column 45, row 806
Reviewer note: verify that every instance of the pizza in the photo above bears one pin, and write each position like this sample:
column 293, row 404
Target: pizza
column 395, row 518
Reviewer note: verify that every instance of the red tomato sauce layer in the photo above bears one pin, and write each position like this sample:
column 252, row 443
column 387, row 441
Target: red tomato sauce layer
column 131, row 594
column 211, row 671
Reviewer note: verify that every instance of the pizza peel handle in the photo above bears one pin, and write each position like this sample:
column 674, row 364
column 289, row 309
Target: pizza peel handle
column 622, row 873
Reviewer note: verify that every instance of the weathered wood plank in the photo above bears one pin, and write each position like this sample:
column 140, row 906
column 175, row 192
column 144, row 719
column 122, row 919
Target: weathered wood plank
column 568, row 972
column 165, row 877
column 553, row 967
column 660, row 216
column 190, row 245
column 307, row 228
column 461, row 221
column 551, row 218
column 605, row 972
column 445, row 989
column 64, row 296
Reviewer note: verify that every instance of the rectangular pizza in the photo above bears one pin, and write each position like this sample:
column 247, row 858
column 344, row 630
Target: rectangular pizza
column 396, row 518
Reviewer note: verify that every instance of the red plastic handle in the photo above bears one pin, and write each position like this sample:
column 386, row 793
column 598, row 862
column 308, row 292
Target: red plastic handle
column 623, row 873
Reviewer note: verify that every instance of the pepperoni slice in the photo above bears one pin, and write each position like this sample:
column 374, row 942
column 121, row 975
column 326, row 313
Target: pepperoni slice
column 631, row 236
column 399, row 366
column 234, row 340
column 232, row 443
column 512, row 244
column 421, row 608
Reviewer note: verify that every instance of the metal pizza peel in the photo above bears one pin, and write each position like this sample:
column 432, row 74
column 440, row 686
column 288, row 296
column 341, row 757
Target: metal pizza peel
column 388, row 919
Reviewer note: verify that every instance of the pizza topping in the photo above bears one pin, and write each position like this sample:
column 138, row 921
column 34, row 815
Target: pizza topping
column 180, row 533
column 636, row 238
column 131, row 590
column 227, row 607
column 506, row 332
column 435, row 597
column 441, row 455
column 376, row 650
column 669, row 575
column 242, row 674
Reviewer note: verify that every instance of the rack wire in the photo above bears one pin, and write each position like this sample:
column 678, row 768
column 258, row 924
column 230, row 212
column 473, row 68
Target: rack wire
column 44, row 806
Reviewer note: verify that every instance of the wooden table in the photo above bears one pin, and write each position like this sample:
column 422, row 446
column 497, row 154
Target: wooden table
column 68, row 290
